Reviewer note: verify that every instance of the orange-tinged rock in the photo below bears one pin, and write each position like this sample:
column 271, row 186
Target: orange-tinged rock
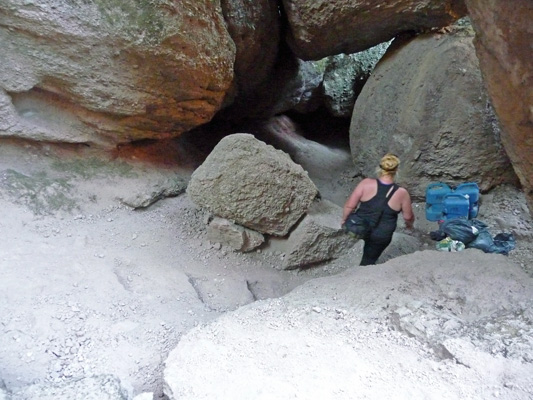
column 112, row 72
column 503, row 45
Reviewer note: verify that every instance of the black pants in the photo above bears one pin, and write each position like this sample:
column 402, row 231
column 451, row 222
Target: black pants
column 374, row 246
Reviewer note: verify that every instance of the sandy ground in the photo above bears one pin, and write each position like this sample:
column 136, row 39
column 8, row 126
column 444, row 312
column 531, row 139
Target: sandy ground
column 90, row 285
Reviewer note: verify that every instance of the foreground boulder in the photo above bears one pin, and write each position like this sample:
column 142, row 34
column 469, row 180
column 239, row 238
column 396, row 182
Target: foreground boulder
column 107, row 73
column 100, row 387
column 320, row 28
column 3, row 391
column 438, row 120
column 507, row 67
column 418, row 326
column 252, row 184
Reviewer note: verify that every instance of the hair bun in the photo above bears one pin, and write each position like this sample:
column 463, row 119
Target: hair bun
column 389, row 163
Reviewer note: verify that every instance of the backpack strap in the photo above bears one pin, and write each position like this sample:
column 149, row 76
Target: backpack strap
column 390, row 193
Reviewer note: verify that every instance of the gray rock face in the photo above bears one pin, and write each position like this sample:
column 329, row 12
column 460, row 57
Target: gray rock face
column 254, row 27
column 438, row 120
column 237, row 237
column 507, row 67
column 111, row 72
column 320, row 28
column 293, row 84
column 345, row 76
column 373, row 324
column 252, row 184
column 298, row 90
column 317, row 238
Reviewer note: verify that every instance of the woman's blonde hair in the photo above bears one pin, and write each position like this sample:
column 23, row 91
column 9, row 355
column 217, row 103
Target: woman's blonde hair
column 388, row 165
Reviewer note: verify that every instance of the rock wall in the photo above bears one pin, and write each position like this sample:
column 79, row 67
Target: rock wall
column 345, row 76
column 111, row 72
column 319, row 28
column 254, row 26
column 115, row 72
column 503, row 45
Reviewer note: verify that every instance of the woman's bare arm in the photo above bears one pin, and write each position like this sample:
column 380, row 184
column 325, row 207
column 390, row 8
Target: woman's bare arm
column 407, row 211
column 353, row 201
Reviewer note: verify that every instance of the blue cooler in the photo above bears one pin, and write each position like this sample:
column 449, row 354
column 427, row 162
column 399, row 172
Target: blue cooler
column 456, row 205
column 471, row 190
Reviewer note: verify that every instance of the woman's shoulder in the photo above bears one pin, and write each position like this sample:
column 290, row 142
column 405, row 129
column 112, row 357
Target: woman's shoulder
column 368, row 181
column 365, row 183
column 402, row 191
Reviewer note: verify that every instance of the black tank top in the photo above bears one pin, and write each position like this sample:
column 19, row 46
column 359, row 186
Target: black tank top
column 371, row 209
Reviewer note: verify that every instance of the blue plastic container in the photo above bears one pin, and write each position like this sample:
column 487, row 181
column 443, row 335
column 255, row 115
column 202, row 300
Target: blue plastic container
column 434, row 212
column 456, row 205
column 471, row 190
column 473, row 211
column 435, row 193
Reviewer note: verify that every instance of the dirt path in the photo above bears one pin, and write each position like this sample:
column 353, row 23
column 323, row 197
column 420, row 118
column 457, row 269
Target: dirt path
column 92, row 286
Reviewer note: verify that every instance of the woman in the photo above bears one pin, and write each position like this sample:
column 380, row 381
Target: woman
column 369, row 195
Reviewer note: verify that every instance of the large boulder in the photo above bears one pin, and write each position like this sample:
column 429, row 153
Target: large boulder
column 252, row 184
column 503, row 45
column 426, row 102
column 320, row 28
column 111, row 72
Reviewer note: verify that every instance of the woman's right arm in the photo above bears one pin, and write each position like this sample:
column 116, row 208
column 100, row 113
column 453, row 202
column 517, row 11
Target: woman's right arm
column 352, row 202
